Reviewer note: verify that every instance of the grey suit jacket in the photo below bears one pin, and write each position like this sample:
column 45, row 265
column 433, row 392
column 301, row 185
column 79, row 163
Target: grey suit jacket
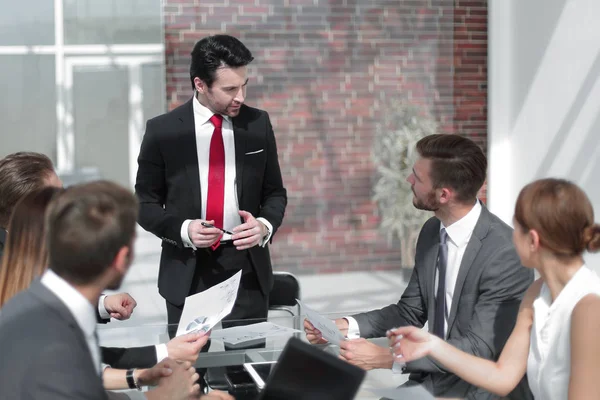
column 490, row 285
column 44, row 354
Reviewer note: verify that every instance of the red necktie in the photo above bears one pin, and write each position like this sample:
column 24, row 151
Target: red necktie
column 216, row 177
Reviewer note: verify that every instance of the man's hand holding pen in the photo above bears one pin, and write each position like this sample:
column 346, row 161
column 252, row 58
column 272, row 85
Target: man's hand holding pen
column 202, row 235
column 246, row 235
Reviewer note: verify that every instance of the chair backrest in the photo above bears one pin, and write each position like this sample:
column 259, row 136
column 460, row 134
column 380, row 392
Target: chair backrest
column 286, row 289
column 305, row 372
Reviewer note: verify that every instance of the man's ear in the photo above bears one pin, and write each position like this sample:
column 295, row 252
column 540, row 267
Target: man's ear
column 445, row 195
column 200, row 85
column 122, row 260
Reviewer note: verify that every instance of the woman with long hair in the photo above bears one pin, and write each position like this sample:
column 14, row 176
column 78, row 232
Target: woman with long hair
column 25, row 256
column 555, row 338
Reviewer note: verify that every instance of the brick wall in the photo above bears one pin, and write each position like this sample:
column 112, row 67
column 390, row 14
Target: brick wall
column 327, row 71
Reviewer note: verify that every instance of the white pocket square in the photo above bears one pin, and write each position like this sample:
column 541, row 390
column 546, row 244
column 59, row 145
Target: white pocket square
column 255, row 152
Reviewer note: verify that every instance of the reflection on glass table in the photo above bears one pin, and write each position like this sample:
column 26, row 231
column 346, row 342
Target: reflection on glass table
column 269, row 349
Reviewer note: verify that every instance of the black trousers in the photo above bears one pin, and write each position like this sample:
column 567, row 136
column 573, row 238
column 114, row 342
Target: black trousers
column 213, row 267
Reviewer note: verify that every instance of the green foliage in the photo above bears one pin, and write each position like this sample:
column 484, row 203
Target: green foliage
column 394, row 154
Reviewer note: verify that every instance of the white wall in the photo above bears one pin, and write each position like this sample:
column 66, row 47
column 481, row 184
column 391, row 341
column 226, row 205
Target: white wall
column 544, row 97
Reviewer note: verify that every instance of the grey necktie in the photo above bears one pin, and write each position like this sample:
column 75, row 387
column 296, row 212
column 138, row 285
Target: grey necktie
column 440, row 298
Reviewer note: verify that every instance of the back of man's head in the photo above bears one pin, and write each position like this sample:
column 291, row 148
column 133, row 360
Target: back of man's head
column 456, row 162
column 20, row 174
column 87, row 225
column 214, row 52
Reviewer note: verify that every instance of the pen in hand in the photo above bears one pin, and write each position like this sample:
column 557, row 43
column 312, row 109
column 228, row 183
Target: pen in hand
column 207, row 225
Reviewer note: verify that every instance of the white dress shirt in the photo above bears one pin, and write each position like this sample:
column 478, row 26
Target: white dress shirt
column 81, row 309
column 204, row 131
column 459, row 234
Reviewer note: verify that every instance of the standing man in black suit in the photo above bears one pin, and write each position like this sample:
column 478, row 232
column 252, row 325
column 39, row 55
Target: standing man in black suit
column 213, row 162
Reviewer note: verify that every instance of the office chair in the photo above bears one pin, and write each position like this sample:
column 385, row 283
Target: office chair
column 283, row 295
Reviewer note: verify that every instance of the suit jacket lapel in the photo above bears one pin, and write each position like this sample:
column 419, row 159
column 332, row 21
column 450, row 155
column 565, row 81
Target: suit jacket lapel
column 471, row 251
column 189, row 153
column 430, row 260
column 240, row 135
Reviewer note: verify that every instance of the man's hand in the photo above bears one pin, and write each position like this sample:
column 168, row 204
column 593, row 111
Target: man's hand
column 202, row 236
column 248, row 234
column 181, row 384
column 120, row 306
column 186, row 347
column 365, row 354
column 314, row 336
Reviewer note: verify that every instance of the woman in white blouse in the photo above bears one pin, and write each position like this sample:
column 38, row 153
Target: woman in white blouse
column 555, row 338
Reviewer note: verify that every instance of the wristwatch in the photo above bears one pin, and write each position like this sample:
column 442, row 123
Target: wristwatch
column 131, row 381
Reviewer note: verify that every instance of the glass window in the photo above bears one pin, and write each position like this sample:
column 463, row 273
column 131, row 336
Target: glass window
column 26, row 23
column 101, row 121
column 28, row 104
column 112, row 21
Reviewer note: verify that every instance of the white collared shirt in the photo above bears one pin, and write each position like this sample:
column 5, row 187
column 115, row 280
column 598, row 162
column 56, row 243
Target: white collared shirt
column 81, row 309
column 459, row 234
column 204, row 131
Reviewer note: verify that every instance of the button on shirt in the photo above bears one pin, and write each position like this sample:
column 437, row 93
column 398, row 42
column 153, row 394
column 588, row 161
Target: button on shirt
column 204, row 130
column 81, row 309
column 459, row 234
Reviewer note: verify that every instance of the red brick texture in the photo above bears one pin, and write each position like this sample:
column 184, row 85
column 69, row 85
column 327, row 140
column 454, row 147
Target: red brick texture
column 326, row 71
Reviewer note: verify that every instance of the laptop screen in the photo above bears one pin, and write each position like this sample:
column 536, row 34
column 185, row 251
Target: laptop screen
column 306, row 372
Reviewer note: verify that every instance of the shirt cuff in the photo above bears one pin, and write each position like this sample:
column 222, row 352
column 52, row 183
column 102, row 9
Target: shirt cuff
column 185, row 237
column 101, row 309
column 266, row 239
column 135, row 395
column 398, row 367
column 353, row 329
column 161, row 352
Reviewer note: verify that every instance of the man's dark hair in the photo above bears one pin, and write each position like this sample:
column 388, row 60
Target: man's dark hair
column 20, row 174
column 214, row 52
column 86, row 227
column 456, row 162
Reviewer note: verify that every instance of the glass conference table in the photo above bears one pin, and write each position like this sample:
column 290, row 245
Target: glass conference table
column 220, row 355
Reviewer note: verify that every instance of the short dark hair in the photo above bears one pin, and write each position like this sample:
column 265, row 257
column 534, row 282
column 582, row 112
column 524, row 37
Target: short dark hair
column 86, row 226
column 213, row 52
column 20, row 174
column 562, row 215
column 456, row 162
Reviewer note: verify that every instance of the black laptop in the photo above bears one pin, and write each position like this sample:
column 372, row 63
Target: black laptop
column 306, row 372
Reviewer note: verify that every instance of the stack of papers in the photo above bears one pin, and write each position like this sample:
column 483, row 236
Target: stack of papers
column 328, row 329
column 248, row 333
column 204, row 310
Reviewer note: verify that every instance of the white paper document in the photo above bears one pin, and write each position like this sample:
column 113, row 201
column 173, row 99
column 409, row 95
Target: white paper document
column 403, row 393
column 204, row 310
column 330, row 332
column 246, row 333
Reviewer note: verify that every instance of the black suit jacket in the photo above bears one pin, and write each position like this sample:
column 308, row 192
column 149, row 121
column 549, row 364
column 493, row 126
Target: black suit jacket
column 490, row 285
column 44, row 354
column 168, row 188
